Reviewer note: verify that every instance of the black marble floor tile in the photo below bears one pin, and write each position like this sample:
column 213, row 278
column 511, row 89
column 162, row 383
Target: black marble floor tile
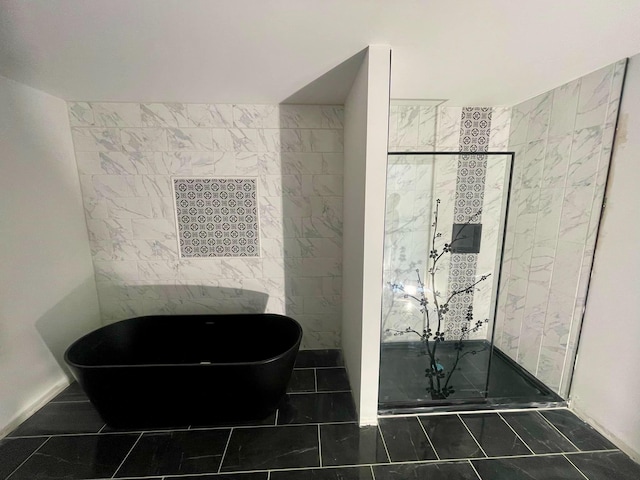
column 73, row 393
column 319, row 358
column 348, row 444
column 14, row 451
column 406, row 440
column 527, row 468
column 450, row 438
column 494, row 435
column 424, row 471
column 108, row 429
column 332, row 379
column 317, row 408
column 302, row 381
column 57, row 418
column 224, row 476
column 263, row 448
column 176, row 453
column 270, row 420
column 537, row 433
column 339, row 473
column 606, row 465
column 582, row 435
column 76, row 457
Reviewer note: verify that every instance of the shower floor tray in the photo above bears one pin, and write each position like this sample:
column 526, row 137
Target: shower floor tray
column 403, row 383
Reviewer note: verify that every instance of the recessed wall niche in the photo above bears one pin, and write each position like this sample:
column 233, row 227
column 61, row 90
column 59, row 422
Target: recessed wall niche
column 217, row 217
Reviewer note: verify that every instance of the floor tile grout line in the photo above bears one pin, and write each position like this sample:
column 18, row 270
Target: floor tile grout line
column 517, row 435
column 127, row 455
column 319, row 447
column 384, row 442
column 103, row 427
column 275, row 422
column 575, row 466
column 433, row 447
column 373, row 475
column 473, row 436
column 319, row 392
column 315, row 379
column 69, row 401
column 558, row 430
column 27, row 459
column 592, row 451
column 474, row 469
column 342, row 367
column 224, row 452
column 269, row 475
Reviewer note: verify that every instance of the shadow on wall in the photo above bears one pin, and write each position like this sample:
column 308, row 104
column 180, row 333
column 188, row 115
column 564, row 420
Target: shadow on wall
column 311, row 169
column 68, row 320
column 58, row 330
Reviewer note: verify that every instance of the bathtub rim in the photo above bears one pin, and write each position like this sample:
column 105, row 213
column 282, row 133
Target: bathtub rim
column 296, row 344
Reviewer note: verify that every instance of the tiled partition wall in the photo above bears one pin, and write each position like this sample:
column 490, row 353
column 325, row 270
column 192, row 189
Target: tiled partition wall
column 128, row 155
column 562, row 141
column 413, row 183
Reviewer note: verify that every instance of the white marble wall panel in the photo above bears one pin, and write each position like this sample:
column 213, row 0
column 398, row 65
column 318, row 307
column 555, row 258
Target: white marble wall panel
column 448, row 129
column 127, row 154
column 562, row 141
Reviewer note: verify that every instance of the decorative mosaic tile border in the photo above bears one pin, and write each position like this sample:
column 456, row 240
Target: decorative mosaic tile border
column 475, row 129
column 217, row 217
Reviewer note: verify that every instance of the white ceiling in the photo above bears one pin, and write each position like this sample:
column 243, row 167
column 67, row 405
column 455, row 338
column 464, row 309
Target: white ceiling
column 473, row 52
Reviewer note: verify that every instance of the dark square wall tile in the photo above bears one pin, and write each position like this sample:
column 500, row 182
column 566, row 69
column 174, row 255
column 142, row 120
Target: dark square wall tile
column 606, row 465
column 494, row 435
column 450, row 437
column 537, row 433
column 428, row 471
column 14, row 451
column 263, row 448
column 581, row 434
column 73, row 393
column 319, row 358
column 76, row 457
column 529, row 468
column 405, row 439
column 332, row 379
column 60, row 418
column 175, row 453
column 348, row 444
column 302, row 381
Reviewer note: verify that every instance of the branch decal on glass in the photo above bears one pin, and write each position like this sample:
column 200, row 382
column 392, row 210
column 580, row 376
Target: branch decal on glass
column 434, row 311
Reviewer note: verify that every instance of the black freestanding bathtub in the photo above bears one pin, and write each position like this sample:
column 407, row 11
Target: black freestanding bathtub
column 183, row 370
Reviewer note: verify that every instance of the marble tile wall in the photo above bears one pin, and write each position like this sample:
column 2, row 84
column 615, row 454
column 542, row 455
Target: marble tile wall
column 562, row 141
column 413, row 184
column 128, row 155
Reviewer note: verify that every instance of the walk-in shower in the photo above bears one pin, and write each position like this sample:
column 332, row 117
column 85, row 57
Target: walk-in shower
column 445, row 224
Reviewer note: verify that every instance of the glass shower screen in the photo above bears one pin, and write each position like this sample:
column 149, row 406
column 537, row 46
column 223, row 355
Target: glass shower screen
column 444, row 230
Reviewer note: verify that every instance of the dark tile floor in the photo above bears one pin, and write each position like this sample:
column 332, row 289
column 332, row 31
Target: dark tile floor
column 313, row 436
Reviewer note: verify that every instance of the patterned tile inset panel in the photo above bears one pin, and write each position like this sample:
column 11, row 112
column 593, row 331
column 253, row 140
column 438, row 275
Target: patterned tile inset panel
column 475, row 129
column 217, row 217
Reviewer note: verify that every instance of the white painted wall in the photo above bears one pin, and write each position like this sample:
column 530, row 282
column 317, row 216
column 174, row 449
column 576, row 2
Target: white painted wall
column 47, row 287
column 366, row 127
column 494, row 52
column 606, row 385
